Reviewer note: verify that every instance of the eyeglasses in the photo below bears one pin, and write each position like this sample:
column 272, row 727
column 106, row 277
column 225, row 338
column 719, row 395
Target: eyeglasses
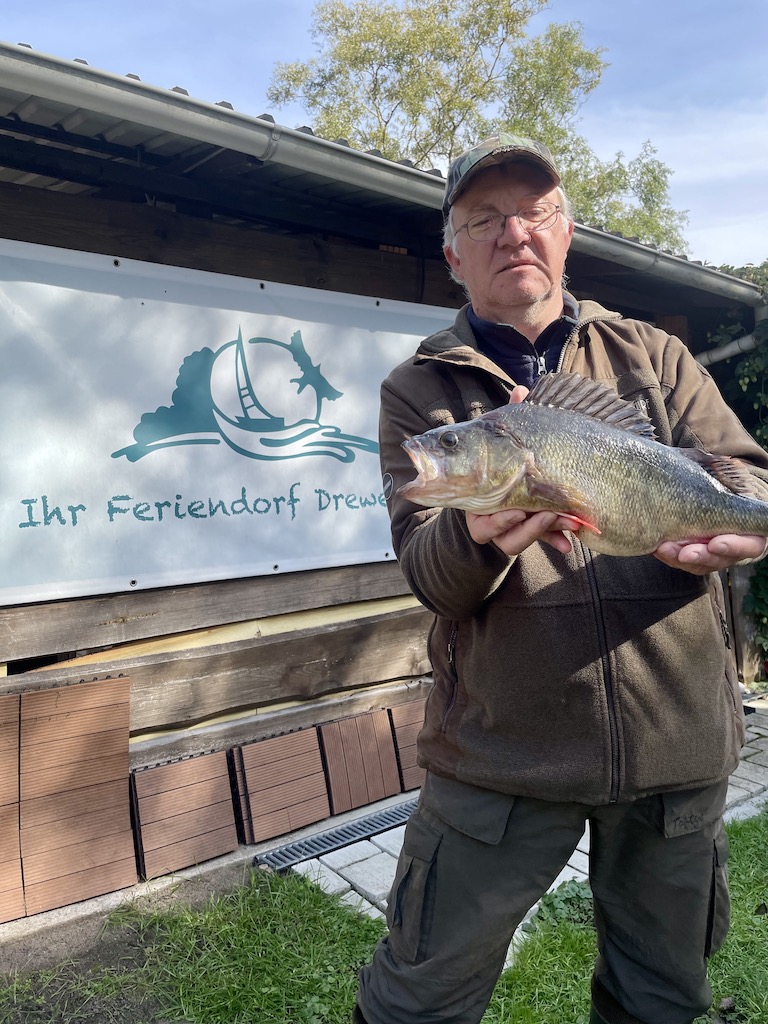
column 485, row 227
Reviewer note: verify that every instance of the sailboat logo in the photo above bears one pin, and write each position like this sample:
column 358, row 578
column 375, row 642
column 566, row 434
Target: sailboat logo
column 264, row 398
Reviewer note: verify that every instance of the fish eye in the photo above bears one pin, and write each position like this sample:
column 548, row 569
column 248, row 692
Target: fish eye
column 449, row 439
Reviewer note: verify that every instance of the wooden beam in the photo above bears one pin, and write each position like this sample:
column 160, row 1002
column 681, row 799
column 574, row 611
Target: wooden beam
column 235, row 632
column 185, row 687
column 53, row 627
column 247, row 727
column 155, row 235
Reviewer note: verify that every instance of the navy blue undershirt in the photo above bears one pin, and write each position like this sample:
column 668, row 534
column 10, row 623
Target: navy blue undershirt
column 521, row 359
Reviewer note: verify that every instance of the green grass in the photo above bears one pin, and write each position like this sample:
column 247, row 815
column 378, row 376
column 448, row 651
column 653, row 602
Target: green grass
column 279, row 952
column 740, row 968
column 282, row 952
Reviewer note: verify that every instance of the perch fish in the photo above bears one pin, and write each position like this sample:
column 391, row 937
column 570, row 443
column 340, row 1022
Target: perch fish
column 572, row 446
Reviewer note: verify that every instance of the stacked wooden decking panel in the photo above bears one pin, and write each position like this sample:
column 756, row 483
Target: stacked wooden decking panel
column 360, row 760
column 11, row 889
column 185, row 813
column 66, row 831
column 407, row 720
column 282, row 784
column 76, row 834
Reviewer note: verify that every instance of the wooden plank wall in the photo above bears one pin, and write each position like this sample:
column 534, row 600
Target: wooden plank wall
column 218, row 670
column 74, row 812
column 184, row 814
column 184, row 674
column 162, row 236
column 282, row 785
column 199, row 655
column 68, row 830
column 407, row 720
column 361, row 761
column 65, row 824
column 11, row 889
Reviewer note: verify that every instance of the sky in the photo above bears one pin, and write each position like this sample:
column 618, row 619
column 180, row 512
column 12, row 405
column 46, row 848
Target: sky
column 691, row 76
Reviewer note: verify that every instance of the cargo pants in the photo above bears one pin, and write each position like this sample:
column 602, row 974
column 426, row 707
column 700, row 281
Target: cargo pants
column 473, row 862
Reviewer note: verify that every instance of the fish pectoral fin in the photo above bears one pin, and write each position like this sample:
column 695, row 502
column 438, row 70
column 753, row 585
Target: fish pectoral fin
column 560, row 498
column 730, row 472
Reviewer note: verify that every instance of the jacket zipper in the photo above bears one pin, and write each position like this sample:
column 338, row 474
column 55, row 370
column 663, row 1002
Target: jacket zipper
column 609, row 690
column 608, row 680
column 454, row 674
column 727, row 641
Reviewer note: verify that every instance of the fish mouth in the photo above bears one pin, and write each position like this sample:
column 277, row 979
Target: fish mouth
column 423, row 462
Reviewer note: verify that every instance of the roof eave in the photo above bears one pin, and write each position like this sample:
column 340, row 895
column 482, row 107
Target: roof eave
column 35, row 74
column 52, row 78
column 646, row 260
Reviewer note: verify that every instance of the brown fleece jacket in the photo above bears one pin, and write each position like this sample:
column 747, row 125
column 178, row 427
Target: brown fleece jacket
column 579, row 677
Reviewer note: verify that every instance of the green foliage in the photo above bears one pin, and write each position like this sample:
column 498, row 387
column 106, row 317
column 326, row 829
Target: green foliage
column 548, row 981
column 421, row 80
column 752, row 369
column 571, row 901
column 748, row 396
column 280, row 951
column 739, row 971
column 752, row 375
column 756, row 605
column 631, row 198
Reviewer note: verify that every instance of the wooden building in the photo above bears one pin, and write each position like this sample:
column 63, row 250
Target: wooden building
column 238, row 708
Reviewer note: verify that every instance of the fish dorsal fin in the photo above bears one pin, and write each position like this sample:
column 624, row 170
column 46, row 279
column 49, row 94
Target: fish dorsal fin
column 730, row 472
column 580, row 394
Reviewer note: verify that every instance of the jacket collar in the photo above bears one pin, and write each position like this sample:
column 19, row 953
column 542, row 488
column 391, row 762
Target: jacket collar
column 458, row 343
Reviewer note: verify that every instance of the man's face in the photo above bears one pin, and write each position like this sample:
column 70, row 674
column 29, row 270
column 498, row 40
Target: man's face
column 517, row 276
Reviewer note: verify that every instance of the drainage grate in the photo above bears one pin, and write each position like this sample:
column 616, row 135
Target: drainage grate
column 314, row 846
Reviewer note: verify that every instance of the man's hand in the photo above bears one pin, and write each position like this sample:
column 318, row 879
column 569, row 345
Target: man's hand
column 514, row 530
column 713, row 555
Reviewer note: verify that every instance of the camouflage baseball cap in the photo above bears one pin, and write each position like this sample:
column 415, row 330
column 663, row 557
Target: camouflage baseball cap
column 496, row 150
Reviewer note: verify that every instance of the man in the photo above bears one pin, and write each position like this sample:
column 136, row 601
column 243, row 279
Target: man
column 569, row 687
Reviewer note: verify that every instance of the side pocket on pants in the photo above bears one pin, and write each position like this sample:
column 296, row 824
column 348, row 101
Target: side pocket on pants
column 409, row 914
column 719, row 901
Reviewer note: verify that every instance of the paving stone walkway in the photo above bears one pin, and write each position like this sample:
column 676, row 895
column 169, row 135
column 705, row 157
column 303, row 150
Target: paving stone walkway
column 362, row 873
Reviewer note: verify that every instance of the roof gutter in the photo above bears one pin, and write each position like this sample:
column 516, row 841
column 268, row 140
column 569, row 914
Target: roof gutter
column 70, row 82
column 644, row 259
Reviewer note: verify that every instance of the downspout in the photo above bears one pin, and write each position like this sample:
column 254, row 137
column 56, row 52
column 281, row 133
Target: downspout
column 739, row 345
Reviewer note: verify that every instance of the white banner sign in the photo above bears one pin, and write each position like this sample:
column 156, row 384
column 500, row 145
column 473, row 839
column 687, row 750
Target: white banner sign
column 164, row 426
